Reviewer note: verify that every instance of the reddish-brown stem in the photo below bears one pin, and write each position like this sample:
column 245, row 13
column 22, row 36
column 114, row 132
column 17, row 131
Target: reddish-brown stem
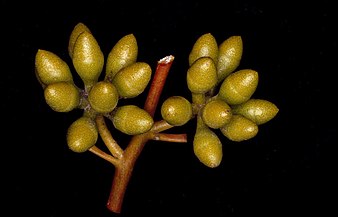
column 167, row 137
column 162, row 70
column 123, row 172
column 124, row 168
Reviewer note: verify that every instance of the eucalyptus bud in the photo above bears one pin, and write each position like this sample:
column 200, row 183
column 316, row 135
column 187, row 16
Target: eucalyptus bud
column 229, row 56
column 259, row 111
column 239, row 129
column 78, row 29
column 176, row 110
column 132, row 120
column 124, row 53
column 50, row 68
column 202, row 75
column 239, row 86
column 103, row 97
column 207, row 147
column 132, row 80
column 216, row 113
column 82, row 134
column 62, row 96
column 205, row 46
column 88, row 58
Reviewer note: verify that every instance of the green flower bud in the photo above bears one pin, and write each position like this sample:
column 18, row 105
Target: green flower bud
column 124, row 53
column 82, row 134
column 176, row 110
column 205, row 46
column 202, row 75
column 229, row 56
column 132, row 120
column 216, row 113
column 259, row 111
column 103, row 97
column 239, row 129
column 239, row 86
column 62, row 96
column 50, row 68
column 207, row 147
column 78, row 29
column 88, row 58
column 132, row 80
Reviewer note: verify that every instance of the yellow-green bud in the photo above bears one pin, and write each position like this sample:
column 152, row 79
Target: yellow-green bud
column 82, row 134
column 88, row 58
column 202, row 75
column 216, row 113
column 207, row 147
column 205, row 46
column 124, row 53
column 239, row 129
column 259, row 111
column 229, row 56
column 176, row 110
column 50, row 68
column 78, row 29
column 132, row 80
column 239, row 86
column 62, row 96
column 103, row 97
column 132, row 120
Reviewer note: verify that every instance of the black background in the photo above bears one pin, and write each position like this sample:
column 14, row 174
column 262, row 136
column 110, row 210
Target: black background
column 280, row 171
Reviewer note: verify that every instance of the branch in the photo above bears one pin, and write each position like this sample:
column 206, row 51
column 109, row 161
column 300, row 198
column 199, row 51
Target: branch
column 167, row 137
column 126, row 164
column 107, row 138
column 157, row 84
column 104, row 155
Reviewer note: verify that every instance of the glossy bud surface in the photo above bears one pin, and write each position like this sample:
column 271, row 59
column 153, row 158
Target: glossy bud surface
column 176, row 110
column 124, row 53
column 202, row 75
column 239, row 129
column 103, row 97
column 132, row 120
column 82, row 134
column 62, row 96
column 239, row 86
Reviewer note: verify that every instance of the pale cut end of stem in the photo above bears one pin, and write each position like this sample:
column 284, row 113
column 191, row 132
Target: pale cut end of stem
column 166, row 60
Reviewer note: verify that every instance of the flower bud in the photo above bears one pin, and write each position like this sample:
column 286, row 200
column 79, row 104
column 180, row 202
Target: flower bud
column 239, row 129
column 88, row 58
column 205, row 46
column 259, row 111
column 124, row 53
column 216, row 113
column 50, row 68
column 229, row 56
column 62, row 96
column 202, row 75
column 176, row 110
column 239, row 86
column 132, row 80
column 103, row 97
column 132, row 120
column 82, row 134
column 78, row 29
column 207, row 147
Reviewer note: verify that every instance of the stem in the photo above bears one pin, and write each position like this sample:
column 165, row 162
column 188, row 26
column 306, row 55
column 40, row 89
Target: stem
column 104, row 155
column 157, row 85
column 123, row 172
column 125, row 166
column 166, row 137
column 107, row 138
